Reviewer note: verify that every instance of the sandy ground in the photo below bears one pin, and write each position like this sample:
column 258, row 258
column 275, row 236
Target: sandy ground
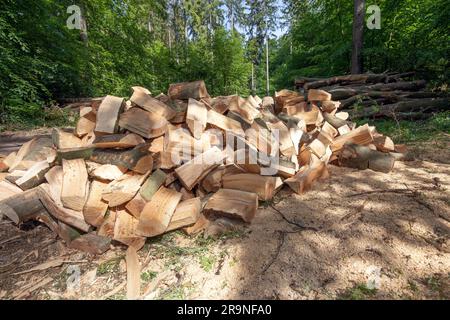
column 358, row 235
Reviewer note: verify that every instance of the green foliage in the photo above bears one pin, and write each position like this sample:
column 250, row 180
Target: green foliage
column 413, row 131
column 359, row 292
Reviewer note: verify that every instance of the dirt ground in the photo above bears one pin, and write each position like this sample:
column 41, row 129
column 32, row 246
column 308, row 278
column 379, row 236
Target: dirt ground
column 357, row 235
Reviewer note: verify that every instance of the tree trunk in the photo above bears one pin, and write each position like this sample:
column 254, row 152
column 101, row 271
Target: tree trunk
column 358, row 32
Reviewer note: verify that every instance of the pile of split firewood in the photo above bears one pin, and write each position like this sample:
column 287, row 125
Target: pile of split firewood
column 143, row 167
column 392, row 95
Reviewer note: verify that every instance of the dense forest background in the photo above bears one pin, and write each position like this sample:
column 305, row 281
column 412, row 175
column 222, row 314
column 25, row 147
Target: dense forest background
column 153, row 43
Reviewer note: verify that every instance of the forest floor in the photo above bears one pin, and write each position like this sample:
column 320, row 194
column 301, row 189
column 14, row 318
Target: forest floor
column 358, row 235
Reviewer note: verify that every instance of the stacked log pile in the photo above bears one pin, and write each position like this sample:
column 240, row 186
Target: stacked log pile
column 143, row 167
column 391, row 95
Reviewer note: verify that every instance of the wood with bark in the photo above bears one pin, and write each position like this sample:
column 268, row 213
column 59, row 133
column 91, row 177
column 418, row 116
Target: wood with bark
column 362, row 157
column 128, row 159
column 136, row 205
column 186, row 90
column 22, row 207
column 91, row 243
column 152, row 184
column 122, row 141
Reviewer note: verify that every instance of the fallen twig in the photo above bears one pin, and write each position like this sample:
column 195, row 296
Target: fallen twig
column 298, row 225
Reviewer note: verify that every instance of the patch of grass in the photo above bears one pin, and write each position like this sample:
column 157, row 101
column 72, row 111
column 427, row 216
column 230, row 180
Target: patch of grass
column 434, row 283
column 45, row 117
column 207, row 262
column 117, row 296
column 149, row 275
column 109, row 266
column 412, row 131
column 413, row 286
column 359, row 292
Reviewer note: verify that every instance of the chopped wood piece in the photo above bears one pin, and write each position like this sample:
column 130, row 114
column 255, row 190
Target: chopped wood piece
column 233, row 204
column 196, row 118
column 75, row 184
column 361, row 135
column 125, row 230
column 95, row 208
column 133, row 274
column 84, row 126
column 22, row 207
column 118, row 141
column 186, row 214
column 318, row 95
column 304, row 179
column 126, row 159
column 201, row 224
column 264, row 186
column 245, row 109
column 108, row 114
column 361, row 157
column 157, row 145
column 156, row 216
column 221, row 104
column 344, row 130
column 107, row 227
column 192, row 172
column 284, row 136
column 123, row 189
column 384, row 144
column 35, row 150
column 75, row 153
column 34, row 176
column 6, row 163
column 65, row 140
column 330, row 106
column 224, row 123
column 148, row 103
column 107, row 172
column 8, row 189
column 136, row 205
column 146, row 124
column 153, row 183
column 144, row 165
column 186, row 90
column 213, row 180
column 91, row 243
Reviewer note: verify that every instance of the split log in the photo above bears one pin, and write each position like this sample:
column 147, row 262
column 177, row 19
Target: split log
column 125, row 230
column 124, row 189
column 146, row 124
column 196, row 118
column 192, row 172
column 108, row 172
column 133, row 274
column 22, row 207
column 186, row 214
column 305, row 178
column 148, row 103
column 224, row 123
column 245, row 109
column 122, row 141
column 34, row 176
column 384, row 144
column 95, row 208
column 221, row 104
column 157, row 214
column 233, row 204
column 51, row 198
column 8, row 189
column 136, row 205
column 186, row 90
column 361, row 135
column 129, row 159
column 152, row 184
column 108, row 115
column 201, row 224
column 35, row 150
column 361, row 157
column 5, row 163
column 106, row 229
column 84, row 126
column 264, row 186
column 318, row 95
column 65, row 140
column 75, row 184
column 75, row 153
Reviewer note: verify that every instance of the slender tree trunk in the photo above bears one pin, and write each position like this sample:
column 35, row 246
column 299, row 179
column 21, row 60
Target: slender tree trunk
column 358, row 33
column 267, row 67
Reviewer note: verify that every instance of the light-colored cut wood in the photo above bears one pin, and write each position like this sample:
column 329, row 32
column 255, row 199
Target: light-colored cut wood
column 305, row 178
column 34, row 176
column 95, row 208
column 186, row 214
column 233, row 204
column 133, row 274
column 318, row 95
column 157, row 214
column 123, row 189
column 361, row 135
column 152, row 184
column 192, row 172
column 146, row 124
column 108, row 172
column 75, row 184
column 125, row 230
column 196, row 118
column 108, row 114
column 264, row 186
column 136, row 205
column 148, row 103
column 118, row 141
column 224, row 123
